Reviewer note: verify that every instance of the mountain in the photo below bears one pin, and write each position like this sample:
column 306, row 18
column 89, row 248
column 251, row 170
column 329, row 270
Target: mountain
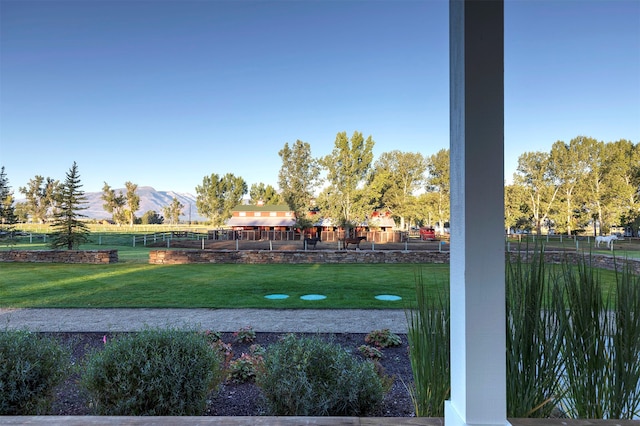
column 150, row 199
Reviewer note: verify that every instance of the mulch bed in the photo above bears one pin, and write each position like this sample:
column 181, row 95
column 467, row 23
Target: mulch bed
column 244, row 399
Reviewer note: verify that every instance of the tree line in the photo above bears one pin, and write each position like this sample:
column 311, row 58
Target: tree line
column 569, row 188
column 582, row 185
column 346, row 186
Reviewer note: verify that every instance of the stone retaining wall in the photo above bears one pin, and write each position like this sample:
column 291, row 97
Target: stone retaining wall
column 279, row 256
column 60, row 256
column 172, row 257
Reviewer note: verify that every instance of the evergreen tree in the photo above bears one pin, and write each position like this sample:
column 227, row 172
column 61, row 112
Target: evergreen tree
column 68, row 230
column 7, row 210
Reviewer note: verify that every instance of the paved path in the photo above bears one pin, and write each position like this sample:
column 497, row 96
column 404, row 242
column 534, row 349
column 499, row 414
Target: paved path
column 224, row 320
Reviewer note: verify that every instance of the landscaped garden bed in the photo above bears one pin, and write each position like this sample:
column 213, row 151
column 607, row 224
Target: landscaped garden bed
column 233, row 398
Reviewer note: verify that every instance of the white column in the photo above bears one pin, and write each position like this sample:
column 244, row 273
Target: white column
column 478, row 371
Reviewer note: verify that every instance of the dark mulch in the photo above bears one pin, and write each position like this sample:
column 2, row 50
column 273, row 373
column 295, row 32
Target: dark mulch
column 233, row 399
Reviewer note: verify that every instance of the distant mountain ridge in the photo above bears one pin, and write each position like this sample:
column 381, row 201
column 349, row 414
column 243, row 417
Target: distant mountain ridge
column 150, row 199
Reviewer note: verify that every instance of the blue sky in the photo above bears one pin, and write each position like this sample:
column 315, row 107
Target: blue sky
column 163, row 93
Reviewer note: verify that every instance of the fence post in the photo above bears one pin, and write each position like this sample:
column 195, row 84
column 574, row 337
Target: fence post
column 30, row 238
column 577, row 244
column 203, row 243
column 270, row 246
column 236, row 245
column 405, row 246
column 145, row 240
column 134, row 241
column 373, row 246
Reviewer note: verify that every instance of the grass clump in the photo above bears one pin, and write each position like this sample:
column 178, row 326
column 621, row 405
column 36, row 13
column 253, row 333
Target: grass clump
column 601, row 346
column 429, row 351
column 31, row 366
column 155, row 373
column 535, row 335
column 308, row 376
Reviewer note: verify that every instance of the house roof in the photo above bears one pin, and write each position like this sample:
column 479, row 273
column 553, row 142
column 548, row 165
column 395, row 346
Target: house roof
column 261, row 221
column 263, row 208
column 383, row 222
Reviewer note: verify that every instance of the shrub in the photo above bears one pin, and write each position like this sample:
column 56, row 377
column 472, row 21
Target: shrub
column 212, row 336
column 370, row 352
column 245, row 335
column 383, row 338
column 244, row 369
column 31, row 366
column 154, row 372
column 311, row 377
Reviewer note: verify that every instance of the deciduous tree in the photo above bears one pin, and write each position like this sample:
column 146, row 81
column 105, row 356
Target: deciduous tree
column 594, row 183
column 567, row 167
column 151, row 217
column 395, row 178
column 265, row 194
column 68, row 229
column 439, row 182
column 345, row 199
column 173, row 211
column 40, row 197
column 533, row 174
column 298, row 178
column 622, row 180
column 114, row 203
column 133, row 201
column 218, row 195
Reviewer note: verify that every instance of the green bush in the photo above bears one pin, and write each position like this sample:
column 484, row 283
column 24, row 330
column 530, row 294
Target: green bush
column 31, row 366
column 154, row 372
column 383, row 338
column 308, row 376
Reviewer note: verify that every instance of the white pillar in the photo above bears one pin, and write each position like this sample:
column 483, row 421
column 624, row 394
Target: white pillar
column 478, row 371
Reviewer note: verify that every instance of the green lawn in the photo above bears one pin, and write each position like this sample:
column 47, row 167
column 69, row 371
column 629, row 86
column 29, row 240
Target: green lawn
column 133, row 284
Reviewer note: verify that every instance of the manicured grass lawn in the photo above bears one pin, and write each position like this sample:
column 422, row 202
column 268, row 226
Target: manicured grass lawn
column 133, row 284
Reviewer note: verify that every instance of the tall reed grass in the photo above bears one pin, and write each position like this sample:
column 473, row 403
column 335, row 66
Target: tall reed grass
column 572, row 342
column 601, row 350
column 428, row 336
column 534, row 338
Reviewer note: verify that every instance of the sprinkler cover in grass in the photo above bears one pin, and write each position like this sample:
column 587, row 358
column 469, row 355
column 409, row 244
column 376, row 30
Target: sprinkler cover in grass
column 276, row 296
column 388, row 297
column 313, row 297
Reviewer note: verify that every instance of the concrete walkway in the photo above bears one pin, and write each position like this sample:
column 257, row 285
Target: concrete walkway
column 223, row 320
